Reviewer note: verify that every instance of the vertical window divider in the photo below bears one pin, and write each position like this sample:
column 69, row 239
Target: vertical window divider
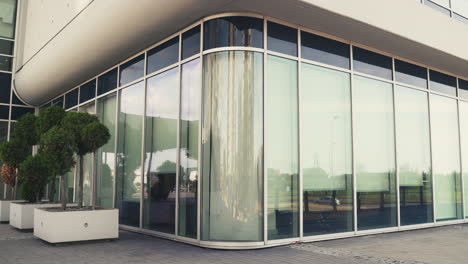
column 143, row 139
column 434, row 206
column 462, row 191
column 395, row 138
column 265, row 92
column 176, row 231
column 200, row 125
column 116, row 142
column 299, row 122
column 352, row 140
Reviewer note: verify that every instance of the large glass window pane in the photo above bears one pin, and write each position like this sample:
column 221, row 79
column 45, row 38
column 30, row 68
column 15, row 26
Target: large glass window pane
column 17, row 112
column 445, row 158
column 282, row 148
column 5, row 63
column 6, row 47
column 87, row 161
column 372, row 63
column 282, row 39
column 464, row 149
column 71, row 99
column 162, row 111
column 414, row 160
column 88, row 91
column 443, row 83
column 191, row 42
column 106, row 108
column 132, row 70
column 233, row 31
column 408, row 73
column 107, row 82
column 324, row 50
column 188, row 155
column 163, row 55
column 232, row 124
column 5, row 87
column 375, row 153
column 326, row 162
column 7, row 18
column 129, row 145
column 463, row 88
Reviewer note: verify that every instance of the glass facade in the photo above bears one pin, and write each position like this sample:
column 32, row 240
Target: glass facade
column 251, row 132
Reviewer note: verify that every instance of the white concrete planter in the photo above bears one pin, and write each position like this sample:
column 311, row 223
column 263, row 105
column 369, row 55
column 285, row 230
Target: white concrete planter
column 22, row 214
column 69, row 226
column 5, row 210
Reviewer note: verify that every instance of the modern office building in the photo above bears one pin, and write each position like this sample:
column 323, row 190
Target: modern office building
column 254, row 123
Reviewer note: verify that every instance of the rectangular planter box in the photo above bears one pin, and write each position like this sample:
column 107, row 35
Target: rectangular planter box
column 22, row 214
column 5, row 210
column 70, row 226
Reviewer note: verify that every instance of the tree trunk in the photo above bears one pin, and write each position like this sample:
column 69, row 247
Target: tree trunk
column 63, row 197
column 52, row 190
column 79, row 191
column 94, row 181
column 15, row 188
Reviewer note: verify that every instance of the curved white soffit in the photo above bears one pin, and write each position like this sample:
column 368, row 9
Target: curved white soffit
column 109, row 31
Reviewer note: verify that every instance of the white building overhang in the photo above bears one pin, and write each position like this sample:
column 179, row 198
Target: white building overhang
column 109, row 31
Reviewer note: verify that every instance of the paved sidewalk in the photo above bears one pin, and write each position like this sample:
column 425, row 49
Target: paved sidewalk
column 444, row 245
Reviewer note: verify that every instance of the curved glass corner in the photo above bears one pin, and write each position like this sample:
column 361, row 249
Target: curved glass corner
column 232, row 142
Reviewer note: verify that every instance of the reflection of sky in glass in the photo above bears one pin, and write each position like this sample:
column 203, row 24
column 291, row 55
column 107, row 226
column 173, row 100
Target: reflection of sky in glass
column 162, row 95
column 190, row 99
column 131, row 99
column 373, row 125
column 412, row 119
column 444, row 134
column 326, row 124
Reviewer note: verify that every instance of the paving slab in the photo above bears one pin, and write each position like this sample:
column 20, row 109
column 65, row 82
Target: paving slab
column 435, row 245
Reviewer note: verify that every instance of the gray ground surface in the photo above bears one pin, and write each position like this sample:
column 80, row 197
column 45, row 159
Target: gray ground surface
column 443, row 245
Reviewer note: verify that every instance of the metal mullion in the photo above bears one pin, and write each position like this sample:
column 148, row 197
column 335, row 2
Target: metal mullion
column 116, row 149
column 199, row 143
column 179, row 75
column 299, row 122
column 429, row 96
column 143, row 141
column 395, row 145
column 353, row 132
column 265, row 92
column 462, row 181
